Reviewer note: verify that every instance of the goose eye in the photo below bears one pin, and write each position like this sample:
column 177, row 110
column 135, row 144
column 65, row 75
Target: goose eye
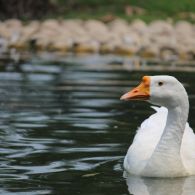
column 160, row 83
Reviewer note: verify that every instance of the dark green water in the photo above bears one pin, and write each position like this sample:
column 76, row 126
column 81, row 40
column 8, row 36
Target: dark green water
column 63, row 129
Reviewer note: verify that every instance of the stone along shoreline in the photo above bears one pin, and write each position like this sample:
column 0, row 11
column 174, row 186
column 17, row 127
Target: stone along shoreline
column 159, row 39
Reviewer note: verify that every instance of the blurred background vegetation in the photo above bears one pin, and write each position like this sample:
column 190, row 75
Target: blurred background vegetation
column 104, row 10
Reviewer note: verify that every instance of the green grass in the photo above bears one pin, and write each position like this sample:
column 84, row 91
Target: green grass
column 166, row 6
column 96, row 9
column 147, row 17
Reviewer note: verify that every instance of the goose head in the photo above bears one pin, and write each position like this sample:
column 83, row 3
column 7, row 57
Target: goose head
column 159, row 90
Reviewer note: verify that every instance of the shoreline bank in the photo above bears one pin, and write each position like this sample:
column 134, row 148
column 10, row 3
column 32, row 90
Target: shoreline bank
column 159, row 39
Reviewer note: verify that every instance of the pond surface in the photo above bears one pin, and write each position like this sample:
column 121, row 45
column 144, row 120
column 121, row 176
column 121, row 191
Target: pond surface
column 65, row 131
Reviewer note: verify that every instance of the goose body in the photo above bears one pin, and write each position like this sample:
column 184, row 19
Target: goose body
column 164, row 145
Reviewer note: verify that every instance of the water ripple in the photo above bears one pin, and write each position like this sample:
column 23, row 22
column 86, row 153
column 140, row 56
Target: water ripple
column 63, row 128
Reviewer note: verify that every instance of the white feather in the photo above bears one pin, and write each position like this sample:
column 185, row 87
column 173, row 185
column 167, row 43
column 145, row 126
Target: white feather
column 147, row 138
column 164, row 145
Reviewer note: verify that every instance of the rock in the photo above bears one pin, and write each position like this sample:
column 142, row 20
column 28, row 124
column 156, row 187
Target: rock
column 4, row 31
column 97, row 30
column 109, row 46
column 95, row 25
column 150, row 51
column 3, row 45
column 23, row 41
column 186, row 53
column 168, row 54
column 139, row 27
column 184, row 27
column 42, row 43
column 119, row 27
column 50, row 24
column 158, row 39
column 106, row 48
column 61, row 44
column 160, row 28
column 43, row 38
column 88, row 47
column 131, row 39
column 126, row 50
column 186, row 56
column 12, row 28
column 164, row 41
column 75, row 28
column 13, row 23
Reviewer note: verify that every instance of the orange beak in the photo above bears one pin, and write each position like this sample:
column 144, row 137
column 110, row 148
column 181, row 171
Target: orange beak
column 141, row 92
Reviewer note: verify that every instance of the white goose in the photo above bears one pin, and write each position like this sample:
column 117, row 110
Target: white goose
column 164, row 145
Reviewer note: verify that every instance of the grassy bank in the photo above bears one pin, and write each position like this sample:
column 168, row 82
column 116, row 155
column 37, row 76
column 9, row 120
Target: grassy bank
column 152, row 9
column 105, row 10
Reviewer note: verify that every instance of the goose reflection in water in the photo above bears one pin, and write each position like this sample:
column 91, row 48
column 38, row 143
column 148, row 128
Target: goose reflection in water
column 160, row 186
